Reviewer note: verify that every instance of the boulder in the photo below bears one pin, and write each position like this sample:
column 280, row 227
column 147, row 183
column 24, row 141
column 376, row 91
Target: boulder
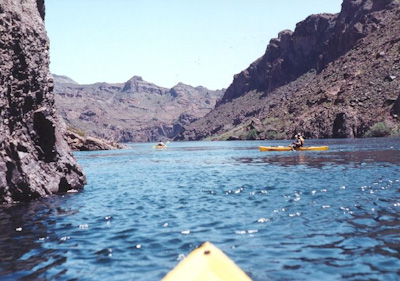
column 87, row 143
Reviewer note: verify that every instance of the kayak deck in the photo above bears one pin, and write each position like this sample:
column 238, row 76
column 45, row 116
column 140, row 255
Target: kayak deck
column 288, row 148
column 206, row 263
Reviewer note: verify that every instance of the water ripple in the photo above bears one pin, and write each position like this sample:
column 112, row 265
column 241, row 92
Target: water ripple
column 330, row 215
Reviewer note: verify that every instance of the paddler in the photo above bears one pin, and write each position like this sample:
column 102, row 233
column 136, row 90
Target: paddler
column 160, row 143
column 299, row 141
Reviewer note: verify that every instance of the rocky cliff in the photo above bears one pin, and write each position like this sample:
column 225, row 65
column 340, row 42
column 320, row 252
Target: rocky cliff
column 35, row 159
column 132, row 111
column 334, row 76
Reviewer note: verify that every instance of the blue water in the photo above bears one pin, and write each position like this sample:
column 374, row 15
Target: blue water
column 329, row 215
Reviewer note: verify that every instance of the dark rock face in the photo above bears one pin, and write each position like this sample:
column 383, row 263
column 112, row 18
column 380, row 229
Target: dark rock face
column 41, row 8
column 357, row 19
column 334, row 76
column 396, row 107
column 133, row 111
column 316, row 41
column 35, row 159
column 286, row 58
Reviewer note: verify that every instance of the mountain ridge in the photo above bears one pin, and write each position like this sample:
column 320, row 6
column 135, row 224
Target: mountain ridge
column 135, row 110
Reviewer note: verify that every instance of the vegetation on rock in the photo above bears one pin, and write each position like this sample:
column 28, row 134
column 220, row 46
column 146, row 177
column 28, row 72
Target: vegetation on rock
column 379, row 129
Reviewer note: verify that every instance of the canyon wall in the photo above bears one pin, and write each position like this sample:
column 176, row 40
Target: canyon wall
column 35, row 160
column 334, row 76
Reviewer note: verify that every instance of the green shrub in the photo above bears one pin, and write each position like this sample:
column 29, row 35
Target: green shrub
column 379, row 129
column 252, row 135
column 395, row 132
column 76, row 131
column 271, row 135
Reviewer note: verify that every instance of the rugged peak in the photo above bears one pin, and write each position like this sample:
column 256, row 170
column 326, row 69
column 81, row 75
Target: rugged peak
column 181, row 89
column 315, row 24
column 188, row 91
column 137, row 85
column 61, row 79
column 136, row 78
column 181, row 85
column 284, row 35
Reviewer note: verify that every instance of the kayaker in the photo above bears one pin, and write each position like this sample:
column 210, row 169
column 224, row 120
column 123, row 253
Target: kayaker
column 299, row 141
column 160, row 143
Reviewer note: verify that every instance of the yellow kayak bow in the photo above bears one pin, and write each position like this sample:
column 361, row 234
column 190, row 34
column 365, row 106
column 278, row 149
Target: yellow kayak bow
column 206, row 263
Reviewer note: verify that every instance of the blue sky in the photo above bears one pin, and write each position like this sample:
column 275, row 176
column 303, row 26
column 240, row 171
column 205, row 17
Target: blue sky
column 197, row 42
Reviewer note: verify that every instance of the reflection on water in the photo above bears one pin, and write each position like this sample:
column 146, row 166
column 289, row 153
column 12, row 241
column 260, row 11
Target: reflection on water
column 24, row 228
column 328, row 215
column 321, row 159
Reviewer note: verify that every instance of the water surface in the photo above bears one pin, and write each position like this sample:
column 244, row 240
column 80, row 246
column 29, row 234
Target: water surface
column 327, row 215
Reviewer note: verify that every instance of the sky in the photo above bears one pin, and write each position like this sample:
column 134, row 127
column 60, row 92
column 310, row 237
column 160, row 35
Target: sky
column 196, row 42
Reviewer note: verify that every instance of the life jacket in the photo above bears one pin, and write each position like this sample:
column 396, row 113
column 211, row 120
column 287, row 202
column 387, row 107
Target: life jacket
column 301, row 141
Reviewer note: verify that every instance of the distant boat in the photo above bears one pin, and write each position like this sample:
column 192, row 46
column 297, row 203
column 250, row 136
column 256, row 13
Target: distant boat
column 160, row 145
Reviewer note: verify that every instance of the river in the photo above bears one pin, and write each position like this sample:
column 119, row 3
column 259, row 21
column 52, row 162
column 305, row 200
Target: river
column 322, row 215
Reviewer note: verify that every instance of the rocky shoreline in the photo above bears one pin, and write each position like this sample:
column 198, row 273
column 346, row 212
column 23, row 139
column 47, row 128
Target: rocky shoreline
column 87, row 143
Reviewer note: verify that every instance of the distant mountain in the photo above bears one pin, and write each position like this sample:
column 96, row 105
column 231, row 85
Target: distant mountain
column 132, row 111
column 61, row 79
column 335, row 76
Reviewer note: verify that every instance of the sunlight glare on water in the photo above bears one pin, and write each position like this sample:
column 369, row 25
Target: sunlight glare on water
column 327, row 215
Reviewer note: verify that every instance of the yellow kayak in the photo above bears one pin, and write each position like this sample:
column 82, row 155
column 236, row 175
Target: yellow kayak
column 206, row 263
column 288, row 148
column 159, row 146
